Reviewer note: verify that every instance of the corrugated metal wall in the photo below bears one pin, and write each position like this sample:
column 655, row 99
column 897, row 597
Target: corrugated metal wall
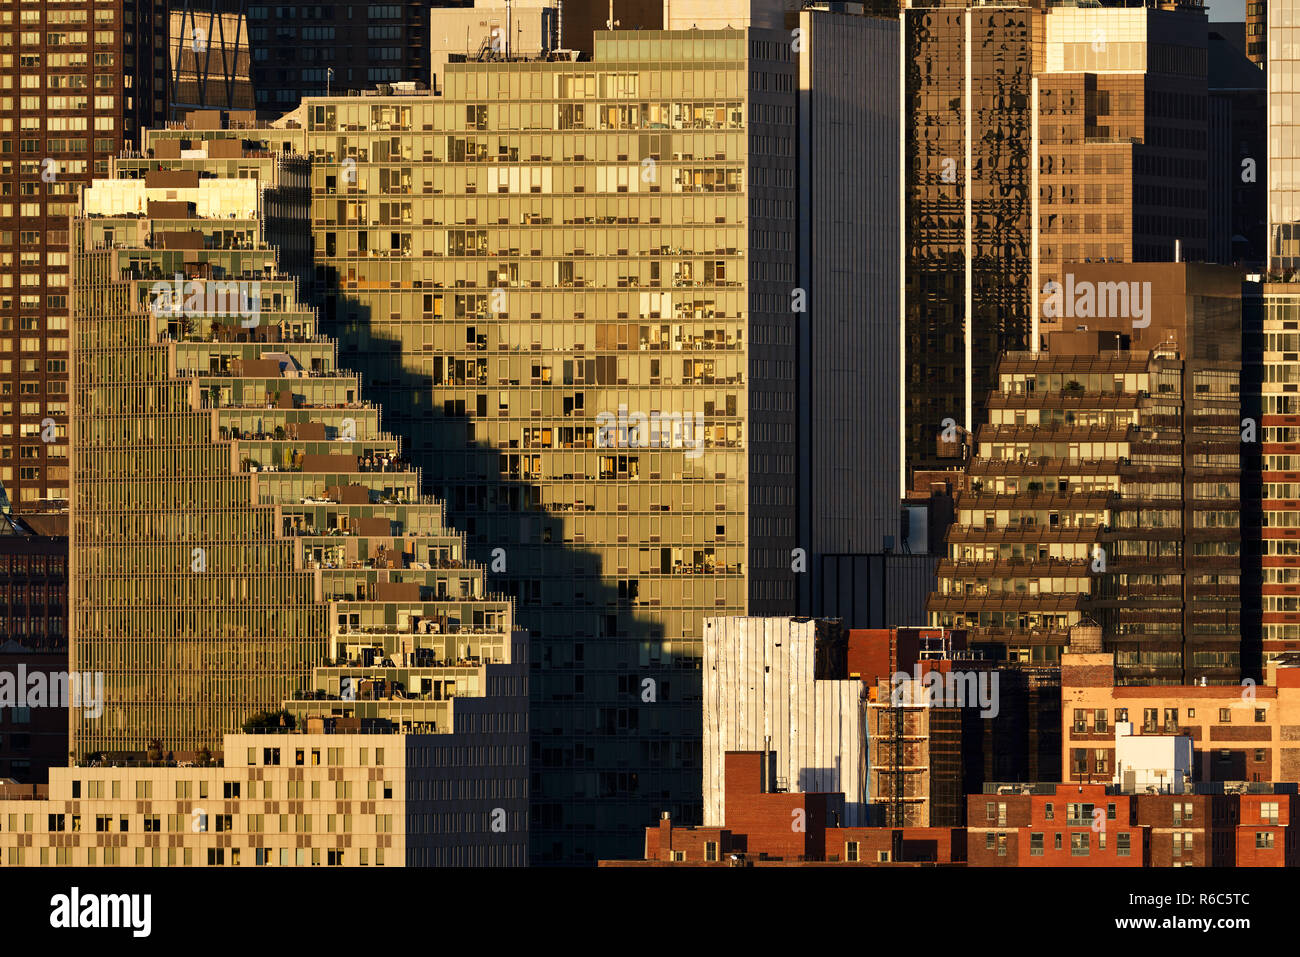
column 760, row 693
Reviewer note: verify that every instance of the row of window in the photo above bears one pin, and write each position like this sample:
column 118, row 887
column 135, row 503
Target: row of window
column 1080, row 843
column 216, row 856
column 1150, row 718
column 201, row 822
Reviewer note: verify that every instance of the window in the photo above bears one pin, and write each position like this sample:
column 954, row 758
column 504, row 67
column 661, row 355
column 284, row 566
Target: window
column 1260, row 716
column 1268, row 812
column 1036, row 845
column 851, row 851
column 1264, row 840
column 1079, row 845
column 1056, row 842
column 711, row 850
column 1122, row 844
column 1225, row 715
column 1049, row 812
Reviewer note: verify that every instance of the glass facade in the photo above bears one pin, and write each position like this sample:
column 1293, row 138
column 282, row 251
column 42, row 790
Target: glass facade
column 1104, row 489
column 1283, row 69
column 968, row 84
column 240, row 515
column 570, row 286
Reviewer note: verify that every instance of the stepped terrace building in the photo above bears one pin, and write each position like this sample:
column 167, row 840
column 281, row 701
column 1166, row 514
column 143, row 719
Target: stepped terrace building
column 1106, row 487
column 244, row 532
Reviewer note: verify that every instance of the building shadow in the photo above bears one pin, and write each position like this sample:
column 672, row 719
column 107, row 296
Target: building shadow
column 608, row 752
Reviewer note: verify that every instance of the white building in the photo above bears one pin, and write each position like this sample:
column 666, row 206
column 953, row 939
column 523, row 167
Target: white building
column 780, row 684
column 1152, row 761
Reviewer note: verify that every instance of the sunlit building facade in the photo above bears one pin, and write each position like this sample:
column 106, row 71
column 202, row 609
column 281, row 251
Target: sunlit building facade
column 209, row 58
column 1122, row 119
column 1283, row 70
column 77, row 84
column 1106, row 488
column 570, row 285
column 240, row 516
column 968, row 75
column 577, row 290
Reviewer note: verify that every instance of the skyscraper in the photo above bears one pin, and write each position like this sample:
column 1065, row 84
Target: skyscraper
column 1257, row 29
column 1038, row 134
column 1271, row 501
column 1123, row 121
column 209, row 57
column 304, row 49
column 243, row 528
column 577, row 288
column 1283, row 68
column 79, row 84
column 562, row 311
column 968, row 74
column 1105, row 486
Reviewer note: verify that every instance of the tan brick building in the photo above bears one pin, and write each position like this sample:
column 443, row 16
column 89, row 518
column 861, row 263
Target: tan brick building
column 1239, row 732
column 327, row 799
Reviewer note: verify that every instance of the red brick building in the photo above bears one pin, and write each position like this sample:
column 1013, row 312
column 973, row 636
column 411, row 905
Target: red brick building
column 1264, row 835
column 1092, row 825
column 1055, row 826
column 767, row 827
column 1189, row 830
